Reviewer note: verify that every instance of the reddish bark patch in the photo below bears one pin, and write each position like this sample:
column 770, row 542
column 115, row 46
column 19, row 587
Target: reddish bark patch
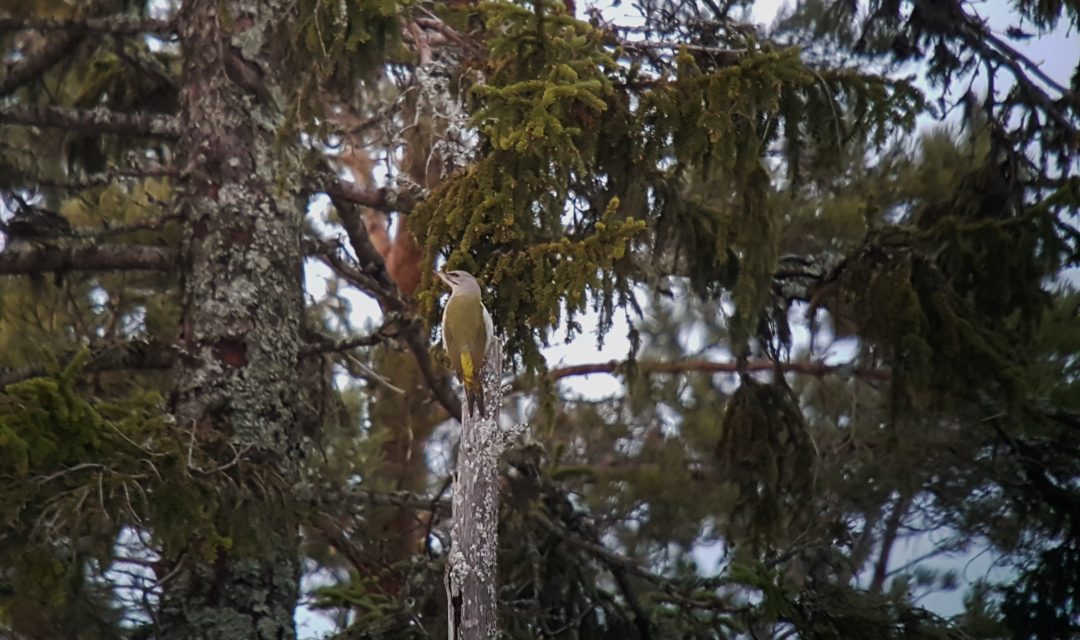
column 199, row 229
column 231, row 352
column 241, row 236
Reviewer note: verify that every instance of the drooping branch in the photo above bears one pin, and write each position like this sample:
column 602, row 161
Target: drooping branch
column 595, row 549
column 86, row 258
column 991, row 48
column 117, row 25
column 949, row 20
column 91, row 121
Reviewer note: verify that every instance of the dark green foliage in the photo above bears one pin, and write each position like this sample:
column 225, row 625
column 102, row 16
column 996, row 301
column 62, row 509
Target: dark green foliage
column 329, row 46
column 81, row 475
column 766, row 452
column 549, row 84
column 830, row 612
column 908, row 314
column 558, row 132
column 1045, row 601
column 706, row 180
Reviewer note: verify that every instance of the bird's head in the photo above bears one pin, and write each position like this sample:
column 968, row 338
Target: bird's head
column 459, row 281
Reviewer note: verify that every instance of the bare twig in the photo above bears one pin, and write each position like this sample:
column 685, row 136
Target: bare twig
column 319, row 343
column 335, row 497
column 371, row 275
column 73, row 469
column 818, row 369
column 382, row 199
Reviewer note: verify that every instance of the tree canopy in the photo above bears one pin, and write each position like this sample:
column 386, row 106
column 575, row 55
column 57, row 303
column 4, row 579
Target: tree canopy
column 841, row 251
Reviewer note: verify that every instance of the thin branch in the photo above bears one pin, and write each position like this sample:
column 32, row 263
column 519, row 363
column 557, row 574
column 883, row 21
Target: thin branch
column 355, row 276
column 334, row 498
column 818, row 369
column 86, row 258
column 1010, row 53
column 91, row 121
column 117, row 25
column 616, row 562
column 654, row 45
column 888, row 540
column 421, row 40
column 598, row 551
column 439, row 384
column 155, row 224
column 978, row 37
column 132, row 355
column 318, row 343
column 373, row 277
column 435, row 23
column 95, row 180
column 382, row 199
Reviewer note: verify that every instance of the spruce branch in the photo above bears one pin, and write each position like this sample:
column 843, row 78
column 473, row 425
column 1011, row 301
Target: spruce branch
column 86, row 258
column 91, row 121
column 116, row 25
column 140, row 355
column 35, row 63
column 631, row 45
column 344, row 498
column 94, row 180
column 33, row 66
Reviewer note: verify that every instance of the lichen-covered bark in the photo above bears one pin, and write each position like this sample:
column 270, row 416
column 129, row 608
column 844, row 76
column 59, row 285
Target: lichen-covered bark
column 237, row 378
column 471, row 569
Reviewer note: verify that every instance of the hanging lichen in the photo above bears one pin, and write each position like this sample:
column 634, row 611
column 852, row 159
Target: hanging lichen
column 766, row 452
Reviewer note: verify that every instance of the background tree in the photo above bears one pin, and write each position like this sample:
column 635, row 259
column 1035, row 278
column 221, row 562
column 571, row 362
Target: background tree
column 196, row 437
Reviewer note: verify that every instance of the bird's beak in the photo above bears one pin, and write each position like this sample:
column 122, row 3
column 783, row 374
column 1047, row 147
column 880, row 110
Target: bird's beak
column 442, row 276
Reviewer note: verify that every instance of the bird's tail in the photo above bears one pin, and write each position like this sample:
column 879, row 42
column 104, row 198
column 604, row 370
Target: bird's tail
column 474, row 394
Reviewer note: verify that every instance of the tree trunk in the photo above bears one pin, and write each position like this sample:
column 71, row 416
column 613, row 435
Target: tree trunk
column 237, row 377
column 471, row 568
